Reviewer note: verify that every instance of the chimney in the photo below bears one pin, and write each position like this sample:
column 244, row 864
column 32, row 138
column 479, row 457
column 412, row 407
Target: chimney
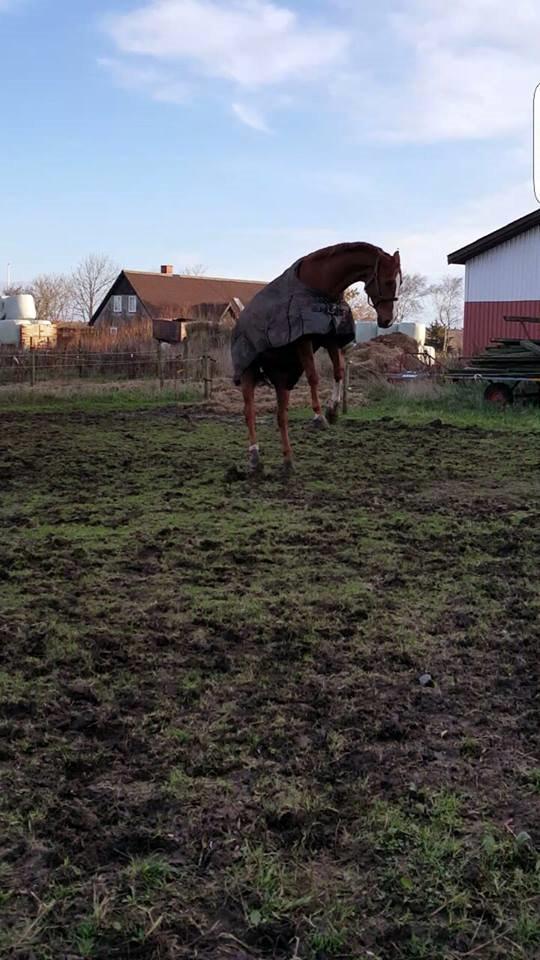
column 167, row 269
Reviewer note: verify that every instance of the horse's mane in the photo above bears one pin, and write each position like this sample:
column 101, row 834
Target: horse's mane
column 327, row 253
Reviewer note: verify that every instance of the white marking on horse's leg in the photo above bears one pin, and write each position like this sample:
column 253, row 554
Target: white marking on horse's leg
column 337, row 392
column 319, row 422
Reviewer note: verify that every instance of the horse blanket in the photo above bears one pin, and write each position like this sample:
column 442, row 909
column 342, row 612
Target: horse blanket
column 285, row 310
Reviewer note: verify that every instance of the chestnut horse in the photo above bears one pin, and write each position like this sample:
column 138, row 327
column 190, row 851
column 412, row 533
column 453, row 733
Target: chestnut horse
column 304, row 309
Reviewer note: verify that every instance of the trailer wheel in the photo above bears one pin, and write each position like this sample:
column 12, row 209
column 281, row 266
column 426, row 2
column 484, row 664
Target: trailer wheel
column 498, row 394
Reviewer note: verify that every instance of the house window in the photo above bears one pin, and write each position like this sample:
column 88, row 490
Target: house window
column 117, row 304
column 132, row 304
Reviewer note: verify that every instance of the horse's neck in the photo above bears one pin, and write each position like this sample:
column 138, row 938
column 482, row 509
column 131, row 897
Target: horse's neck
column 356, row 266
column 334, row 274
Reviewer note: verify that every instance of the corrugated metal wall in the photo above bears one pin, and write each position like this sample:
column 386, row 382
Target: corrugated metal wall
column 509, row 272
column 485, row 321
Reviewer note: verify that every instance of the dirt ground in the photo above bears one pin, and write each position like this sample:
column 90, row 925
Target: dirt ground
column 266, row 717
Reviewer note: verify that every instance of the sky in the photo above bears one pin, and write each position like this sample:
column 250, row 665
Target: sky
column 243, row 134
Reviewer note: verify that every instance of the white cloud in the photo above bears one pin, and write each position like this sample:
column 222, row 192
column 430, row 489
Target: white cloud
column 473, row 71
column 471, row 24
column 431, row 71
column 252, row 43
column 146, row 78
column 426, row 249
column 265, row 252
column 251, row 117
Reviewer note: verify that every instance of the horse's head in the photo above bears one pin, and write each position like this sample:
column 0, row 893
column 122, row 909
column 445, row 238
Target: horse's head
column 382, row 288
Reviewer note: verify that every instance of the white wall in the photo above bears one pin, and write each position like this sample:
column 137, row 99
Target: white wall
column 510, row 271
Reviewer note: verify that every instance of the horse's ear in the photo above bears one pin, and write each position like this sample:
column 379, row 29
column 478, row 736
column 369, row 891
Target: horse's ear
column 397, row 258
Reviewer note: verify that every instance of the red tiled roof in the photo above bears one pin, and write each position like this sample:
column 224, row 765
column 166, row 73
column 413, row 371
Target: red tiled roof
column 167, row 294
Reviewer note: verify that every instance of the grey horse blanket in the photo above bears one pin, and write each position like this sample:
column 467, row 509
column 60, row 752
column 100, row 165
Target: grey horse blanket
column 281, row 313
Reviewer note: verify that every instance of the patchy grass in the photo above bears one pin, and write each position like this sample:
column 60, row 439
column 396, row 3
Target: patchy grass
column 459, row 404
column 214, row 741
column 95, row 396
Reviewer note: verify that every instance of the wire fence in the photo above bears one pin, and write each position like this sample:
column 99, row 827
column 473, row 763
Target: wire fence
column 38, row 366
column 163, row 366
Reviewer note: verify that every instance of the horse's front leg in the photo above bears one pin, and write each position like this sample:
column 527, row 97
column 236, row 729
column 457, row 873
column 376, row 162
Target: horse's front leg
column 338, row 364
column 247, row 383
column 307, row 359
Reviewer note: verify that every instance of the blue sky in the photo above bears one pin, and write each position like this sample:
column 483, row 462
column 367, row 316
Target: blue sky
column 242, row 134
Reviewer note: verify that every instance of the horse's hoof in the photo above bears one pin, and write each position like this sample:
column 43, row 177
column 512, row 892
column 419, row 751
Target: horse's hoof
column 254, row 461
column 332, row 413
column 319, row 423
column 288, row 468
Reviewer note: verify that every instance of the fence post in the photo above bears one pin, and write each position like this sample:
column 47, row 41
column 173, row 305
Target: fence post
column 346, row 379
column 80, row 363
column 207, row 380
column 160, row 364
column 32, row 363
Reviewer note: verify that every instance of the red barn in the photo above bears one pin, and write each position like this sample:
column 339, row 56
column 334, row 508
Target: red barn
column 502, row 279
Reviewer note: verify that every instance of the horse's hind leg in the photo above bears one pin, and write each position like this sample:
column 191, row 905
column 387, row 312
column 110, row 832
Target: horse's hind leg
column 282, row 394
column 248, row 392
column 336, row 356
column 307, row 359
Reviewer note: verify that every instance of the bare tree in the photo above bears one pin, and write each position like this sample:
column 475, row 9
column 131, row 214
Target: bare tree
column 414, row 287
column 14, row 289
column 447, row 302
column 358, row 302
column 53, row 297
column 90, row 282
column 195, row 270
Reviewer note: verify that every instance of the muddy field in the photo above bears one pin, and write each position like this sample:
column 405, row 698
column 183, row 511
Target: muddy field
column 252, row 718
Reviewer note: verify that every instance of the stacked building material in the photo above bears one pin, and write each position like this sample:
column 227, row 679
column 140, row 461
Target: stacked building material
column 505, row 359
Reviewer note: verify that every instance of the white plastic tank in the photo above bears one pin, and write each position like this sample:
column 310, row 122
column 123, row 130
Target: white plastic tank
column 18, row 308
column 10, row 331
column 409, row 327
column 366, row 330
column 384, row 331
column 369, row 329
column 413, row 329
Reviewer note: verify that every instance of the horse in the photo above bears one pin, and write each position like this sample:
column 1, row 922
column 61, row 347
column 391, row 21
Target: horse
column 303, row 310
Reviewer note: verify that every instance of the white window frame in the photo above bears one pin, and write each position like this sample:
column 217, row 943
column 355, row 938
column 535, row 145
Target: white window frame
column 117, row 304
column 132, row 304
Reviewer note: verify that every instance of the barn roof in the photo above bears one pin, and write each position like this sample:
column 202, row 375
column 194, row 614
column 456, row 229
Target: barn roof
column 162, row 293
column 499, row 236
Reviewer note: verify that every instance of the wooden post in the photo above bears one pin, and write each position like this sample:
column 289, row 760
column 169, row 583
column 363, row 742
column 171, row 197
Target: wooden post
column 207, row 381
column 32, row 364
column 346, row 379
column 160, row 364
column 80, row 363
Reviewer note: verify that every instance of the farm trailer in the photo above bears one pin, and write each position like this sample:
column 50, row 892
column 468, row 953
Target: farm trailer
column 509, row 367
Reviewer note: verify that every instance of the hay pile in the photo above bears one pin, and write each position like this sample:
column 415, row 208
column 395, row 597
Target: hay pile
column 389, row 353
column 370, row 363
